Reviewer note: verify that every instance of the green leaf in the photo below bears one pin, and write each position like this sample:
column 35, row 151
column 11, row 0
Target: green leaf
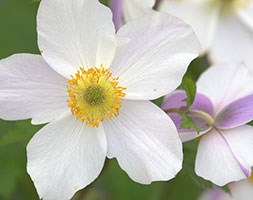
column 226, row 189
column 188, row 122
column 158, row 101
column 190, row 88
column 250, row 123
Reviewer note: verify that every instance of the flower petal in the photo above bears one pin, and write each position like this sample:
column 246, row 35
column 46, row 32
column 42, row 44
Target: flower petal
column 225, row 156
column 133, row 9
column 233, row 42
column 233, row 81
column 65, row 156
column 235, row 114
column 145, row 142
column 198, row 14
column 242, row 190
column 153, row 63
column 70, row 33
column 29, row 88
column 215, row 193
column 116, row 7
column 105, row 56
column 246, row 15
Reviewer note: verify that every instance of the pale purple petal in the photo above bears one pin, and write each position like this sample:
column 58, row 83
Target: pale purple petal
column 215, row 194
column 236, row 113
column 116, row 7
column 176, row 99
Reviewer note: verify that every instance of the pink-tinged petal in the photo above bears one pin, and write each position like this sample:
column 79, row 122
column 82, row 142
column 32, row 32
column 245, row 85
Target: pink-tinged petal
column 65, row 156
column 116, row 7
column 225, row 83
column 165, row 57
column 215, row 194
column 175, row 100
column 236, row 113
column 145, row 142
column 242, row 190
column 225, row 156
column 30, row 88
column 70, row 33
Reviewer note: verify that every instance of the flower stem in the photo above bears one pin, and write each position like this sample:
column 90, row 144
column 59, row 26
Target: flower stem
column 202, row 115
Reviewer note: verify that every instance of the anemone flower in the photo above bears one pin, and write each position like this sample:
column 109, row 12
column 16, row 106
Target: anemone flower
column 224, row 27
column 222, row 107
column 92, row 86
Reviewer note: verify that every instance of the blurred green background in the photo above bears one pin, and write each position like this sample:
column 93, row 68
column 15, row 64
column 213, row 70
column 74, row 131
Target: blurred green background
column 18, row 35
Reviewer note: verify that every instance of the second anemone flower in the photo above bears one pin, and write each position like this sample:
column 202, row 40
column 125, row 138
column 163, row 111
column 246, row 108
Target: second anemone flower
column 222, row 107
column 224, row 27
column 92, row 86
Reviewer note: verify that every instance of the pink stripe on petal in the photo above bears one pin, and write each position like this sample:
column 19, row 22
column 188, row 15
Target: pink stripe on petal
column 236, row 113
column 116, row 7
column 244, row 169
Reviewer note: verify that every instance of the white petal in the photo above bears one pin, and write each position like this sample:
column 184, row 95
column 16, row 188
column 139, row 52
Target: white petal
column 29, row 88
column 233, row 42
column 242, row 190
column 133, row 9
column 153, row 63
column 225, row 156
column 232, row 81
column 64, row 157
column 246, row 15
column 241, row 142
column 108, row 48
column 198, row 14
column 70, row 32
column 188, row 136
column 144, row 140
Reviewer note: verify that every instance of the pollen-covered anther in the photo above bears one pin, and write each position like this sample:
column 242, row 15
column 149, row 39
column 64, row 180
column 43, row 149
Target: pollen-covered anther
column 94, row 95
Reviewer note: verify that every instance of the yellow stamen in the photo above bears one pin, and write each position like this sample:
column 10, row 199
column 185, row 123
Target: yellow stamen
column 94, row 95
column 251, row 178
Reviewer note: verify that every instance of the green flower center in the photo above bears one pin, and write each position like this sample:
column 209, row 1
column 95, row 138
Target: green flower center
column 94, row 95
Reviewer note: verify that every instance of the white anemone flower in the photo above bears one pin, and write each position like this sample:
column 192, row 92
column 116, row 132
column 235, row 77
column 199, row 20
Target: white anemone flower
column 224, row 27
column 92, row 86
